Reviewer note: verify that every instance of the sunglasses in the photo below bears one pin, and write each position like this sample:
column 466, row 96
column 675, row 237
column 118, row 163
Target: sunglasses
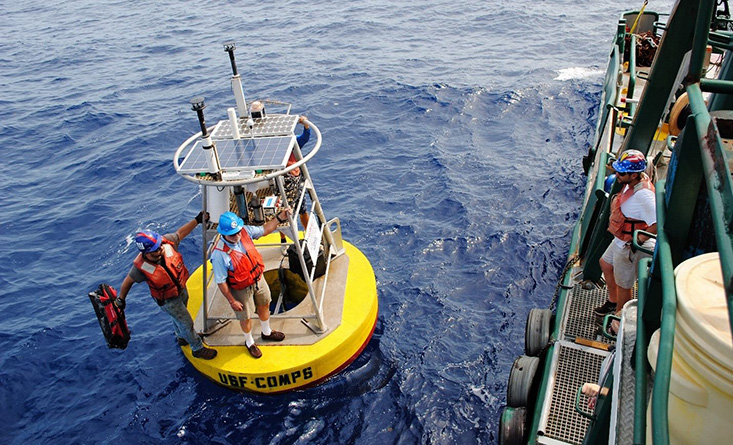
column 622, row 173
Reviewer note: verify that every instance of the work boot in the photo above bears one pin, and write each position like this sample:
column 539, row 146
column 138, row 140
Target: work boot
column 607, row 308
column 205, row 353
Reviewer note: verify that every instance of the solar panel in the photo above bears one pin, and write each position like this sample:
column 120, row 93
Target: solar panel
column 264, row 153
column 270, row 125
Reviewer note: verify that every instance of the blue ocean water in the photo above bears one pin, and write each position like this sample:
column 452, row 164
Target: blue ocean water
column 453, row 136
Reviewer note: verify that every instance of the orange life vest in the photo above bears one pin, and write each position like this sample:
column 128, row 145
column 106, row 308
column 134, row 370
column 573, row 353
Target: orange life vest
column 248, row 265
column 619, row 225
column 167, row 278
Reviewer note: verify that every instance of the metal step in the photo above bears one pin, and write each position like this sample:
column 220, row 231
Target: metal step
column 572, row 365
column 579, row 321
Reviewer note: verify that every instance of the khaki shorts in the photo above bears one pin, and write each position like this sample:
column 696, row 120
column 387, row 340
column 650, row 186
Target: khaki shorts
column 624, row 262
column 261, row 293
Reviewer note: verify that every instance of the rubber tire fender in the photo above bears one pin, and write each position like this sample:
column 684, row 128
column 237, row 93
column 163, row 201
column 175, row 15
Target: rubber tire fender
column 521, row 388
column 513, row 426
column 537, row 331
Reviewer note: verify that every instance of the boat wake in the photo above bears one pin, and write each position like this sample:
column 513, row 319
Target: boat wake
column 578, row 72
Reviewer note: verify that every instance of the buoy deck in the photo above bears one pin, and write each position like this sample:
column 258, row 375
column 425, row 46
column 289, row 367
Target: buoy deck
column 350, row 309
column 229, row 333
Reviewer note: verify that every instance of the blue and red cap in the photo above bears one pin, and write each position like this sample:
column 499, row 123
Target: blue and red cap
column 148, row 241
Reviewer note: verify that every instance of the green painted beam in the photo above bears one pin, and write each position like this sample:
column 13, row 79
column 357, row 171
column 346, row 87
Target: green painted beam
column 663, row 370
column 716, row 168
column 716, row 86
column 662, row 80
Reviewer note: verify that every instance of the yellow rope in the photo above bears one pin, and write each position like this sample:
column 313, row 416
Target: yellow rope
column 636, row 22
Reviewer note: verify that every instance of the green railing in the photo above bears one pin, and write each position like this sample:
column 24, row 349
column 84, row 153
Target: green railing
column 594, row 204
column 621, row 35
column 720, row 40
column 610, row 95
column 663, row 371
column 631, row 106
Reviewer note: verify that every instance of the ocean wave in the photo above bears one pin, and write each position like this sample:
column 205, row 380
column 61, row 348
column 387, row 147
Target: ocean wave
column 579, row 73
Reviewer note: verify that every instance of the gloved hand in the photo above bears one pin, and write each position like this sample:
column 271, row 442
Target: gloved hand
column 120, row 303
column 200, row 217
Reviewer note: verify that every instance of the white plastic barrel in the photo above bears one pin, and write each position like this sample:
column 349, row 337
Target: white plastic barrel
column 217, row 201
column 701, row 386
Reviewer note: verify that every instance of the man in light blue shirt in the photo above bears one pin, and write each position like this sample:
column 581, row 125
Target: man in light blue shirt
column 239, row 273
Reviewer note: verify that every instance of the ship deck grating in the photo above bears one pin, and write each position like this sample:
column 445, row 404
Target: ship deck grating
column 579, row 320
column 575, row 365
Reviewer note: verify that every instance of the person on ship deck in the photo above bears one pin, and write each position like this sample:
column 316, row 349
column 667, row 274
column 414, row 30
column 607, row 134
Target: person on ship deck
column 633, row 208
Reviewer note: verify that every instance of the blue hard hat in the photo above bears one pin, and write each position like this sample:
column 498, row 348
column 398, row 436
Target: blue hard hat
column 229, row 223
column 148, row 241
column 608, row 183
column 630, row 161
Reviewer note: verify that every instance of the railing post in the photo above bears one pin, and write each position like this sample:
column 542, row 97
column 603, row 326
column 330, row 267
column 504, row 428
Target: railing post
column 640, row 360
column 204, row 289
column 663, row 369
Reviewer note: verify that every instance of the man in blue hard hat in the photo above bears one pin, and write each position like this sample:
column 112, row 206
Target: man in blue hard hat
column 633, row 208
column 239, row 273
column 161, row 265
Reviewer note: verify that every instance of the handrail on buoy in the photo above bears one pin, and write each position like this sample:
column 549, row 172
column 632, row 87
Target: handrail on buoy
column 177, row 165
